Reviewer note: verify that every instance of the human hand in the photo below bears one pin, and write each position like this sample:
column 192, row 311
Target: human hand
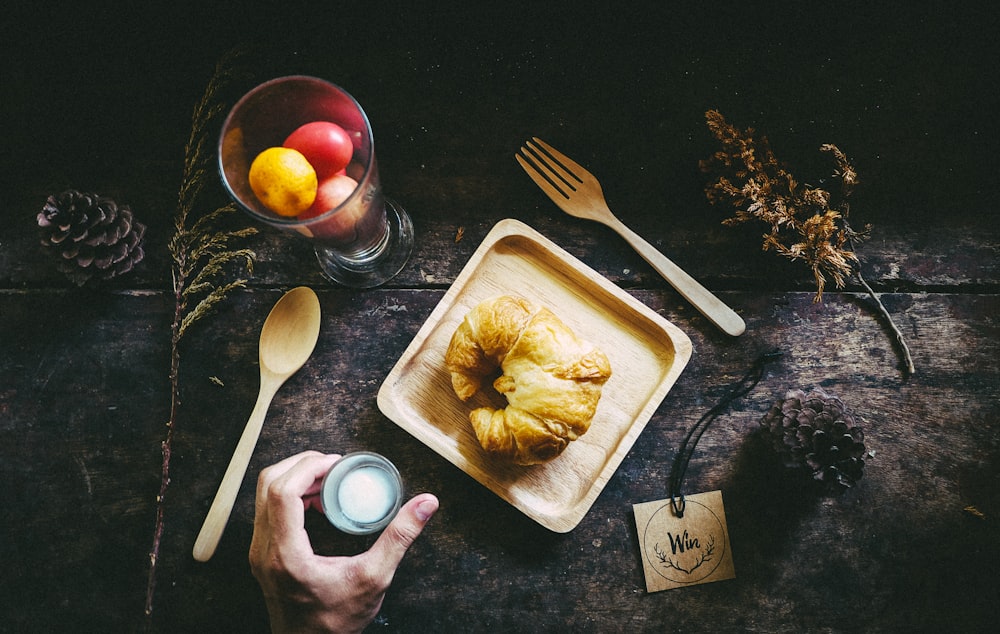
column 308, row 592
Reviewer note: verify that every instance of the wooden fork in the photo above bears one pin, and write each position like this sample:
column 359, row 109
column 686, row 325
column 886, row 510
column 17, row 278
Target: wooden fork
column 578, row 193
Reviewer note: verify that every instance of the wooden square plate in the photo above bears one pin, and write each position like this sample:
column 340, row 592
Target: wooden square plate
column 647, row 354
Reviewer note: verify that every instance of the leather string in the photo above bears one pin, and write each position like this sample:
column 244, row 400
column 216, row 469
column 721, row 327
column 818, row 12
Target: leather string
column 683, row 457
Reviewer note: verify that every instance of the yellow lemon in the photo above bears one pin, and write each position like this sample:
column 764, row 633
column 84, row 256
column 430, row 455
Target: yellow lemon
column 283, row 180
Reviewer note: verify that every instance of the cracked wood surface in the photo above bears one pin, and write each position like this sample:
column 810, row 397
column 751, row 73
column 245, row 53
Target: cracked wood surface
column 84, row 388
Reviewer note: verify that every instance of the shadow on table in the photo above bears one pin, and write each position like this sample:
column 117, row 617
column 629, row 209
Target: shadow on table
column 765, row 504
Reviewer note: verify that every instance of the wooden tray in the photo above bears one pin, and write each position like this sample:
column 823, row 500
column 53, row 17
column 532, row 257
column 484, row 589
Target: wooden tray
column 647, row 354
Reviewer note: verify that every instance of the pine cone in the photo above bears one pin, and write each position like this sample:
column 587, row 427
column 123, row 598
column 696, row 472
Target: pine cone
column 815, row 432
column 92, row 236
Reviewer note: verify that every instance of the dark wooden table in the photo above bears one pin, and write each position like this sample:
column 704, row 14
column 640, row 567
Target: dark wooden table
column 101, row 101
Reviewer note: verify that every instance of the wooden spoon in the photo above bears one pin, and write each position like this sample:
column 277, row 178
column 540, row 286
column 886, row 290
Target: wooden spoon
column 286, row 341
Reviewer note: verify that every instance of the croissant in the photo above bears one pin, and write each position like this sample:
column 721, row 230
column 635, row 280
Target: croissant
column 552, row 380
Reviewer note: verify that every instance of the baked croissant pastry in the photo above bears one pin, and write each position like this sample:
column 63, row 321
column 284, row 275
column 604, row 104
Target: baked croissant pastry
column 552, row 379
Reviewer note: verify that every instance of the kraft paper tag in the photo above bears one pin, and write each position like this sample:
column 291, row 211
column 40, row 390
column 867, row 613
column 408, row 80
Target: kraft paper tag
column 684, row 551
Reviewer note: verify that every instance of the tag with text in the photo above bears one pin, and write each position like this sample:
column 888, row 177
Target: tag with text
column 684, row 551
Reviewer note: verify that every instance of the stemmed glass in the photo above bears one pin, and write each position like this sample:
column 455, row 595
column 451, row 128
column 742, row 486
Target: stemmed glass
column 362, row 242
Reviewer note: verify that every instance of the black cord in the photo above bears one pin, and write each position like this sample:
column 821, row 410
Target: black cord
column 683, row 457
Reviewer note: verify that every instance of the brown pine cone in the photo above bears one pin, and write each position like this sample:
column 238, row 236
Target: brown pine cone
column 92, row 236
column 815, row 432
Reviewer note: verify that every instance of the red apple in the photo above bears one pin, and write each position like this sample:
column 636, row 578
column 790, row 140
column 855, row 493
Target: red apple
column 324, row 144
column 330, row 193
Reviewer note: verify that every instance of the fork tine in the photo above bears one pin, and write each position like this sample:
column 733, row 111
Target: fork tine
column 545, row 183
column 563, row 182
column 575, row 171
column 556, row 174
column 544, row 159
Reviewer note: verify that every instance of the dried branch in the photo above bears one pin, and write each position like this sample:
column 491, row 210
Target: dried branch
column 202, row 258
column 804, row 223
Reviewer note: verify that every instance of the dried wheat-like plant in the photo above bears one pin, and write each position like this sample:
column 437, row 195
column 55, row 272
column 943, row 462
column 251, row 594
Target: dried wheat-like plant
column 803, row 222
column 202, row 258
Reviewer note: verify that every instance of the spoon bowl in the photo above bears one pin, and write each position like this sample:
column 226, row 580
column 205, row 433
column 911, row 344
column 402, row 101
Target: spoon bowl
column 287, row 340
column 290, row 332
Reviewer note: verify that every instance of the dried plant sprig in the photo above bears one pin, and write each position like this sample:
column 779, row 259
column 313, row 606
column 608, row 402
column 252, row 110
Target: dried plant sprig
column 202, row 258
column 803, row 222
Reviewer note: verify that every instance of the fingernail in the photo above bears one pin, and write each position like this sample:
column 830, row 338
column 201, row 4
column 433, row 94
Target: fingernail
column 426, row 509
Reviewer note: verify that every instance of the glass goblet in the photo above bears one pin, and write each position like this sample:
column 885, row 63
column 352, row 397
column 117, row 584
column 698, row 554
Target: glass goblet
column 361, row 242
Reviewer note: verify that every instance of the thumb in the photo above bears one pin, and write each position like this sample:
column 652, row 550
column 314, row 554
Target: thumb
column 404, row 529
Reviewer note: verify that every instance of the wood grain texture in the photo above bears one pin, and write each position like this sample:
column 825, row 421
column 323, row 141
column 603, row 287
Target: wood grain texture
column 932, row 443
column 102, row 103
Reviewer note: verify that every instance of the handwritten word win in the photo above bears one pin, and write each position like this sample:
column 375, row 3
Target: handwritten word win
column 678, row 545
column 681, row 543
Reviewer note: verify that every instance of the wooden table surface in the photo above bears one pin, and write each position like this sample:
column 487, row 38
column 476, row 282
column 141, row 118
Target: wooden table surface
column 101, row 101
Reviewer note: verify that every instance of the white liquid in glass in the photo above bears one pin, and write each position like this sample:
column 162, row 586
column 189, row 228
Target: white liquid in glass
column 366, row 495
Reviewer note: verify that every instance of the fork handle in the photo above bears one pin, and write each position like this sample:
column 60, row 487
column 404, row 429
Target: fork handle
column 713, row 308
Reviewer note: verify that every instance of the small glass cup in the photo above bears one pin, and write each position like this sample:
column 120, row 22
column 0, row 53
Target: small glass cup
column 361, row 243
column 361, row 493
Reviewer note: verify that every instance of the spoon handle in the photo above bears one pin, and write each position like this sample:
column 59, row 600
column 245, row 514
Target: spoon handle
column 222, row 506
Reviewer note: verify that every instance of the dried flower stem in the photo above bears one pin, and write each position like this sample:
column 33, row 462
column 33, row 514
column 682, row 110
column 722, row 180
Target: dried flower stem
column 897, row 334
column 806, row 223
column 200, row 258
